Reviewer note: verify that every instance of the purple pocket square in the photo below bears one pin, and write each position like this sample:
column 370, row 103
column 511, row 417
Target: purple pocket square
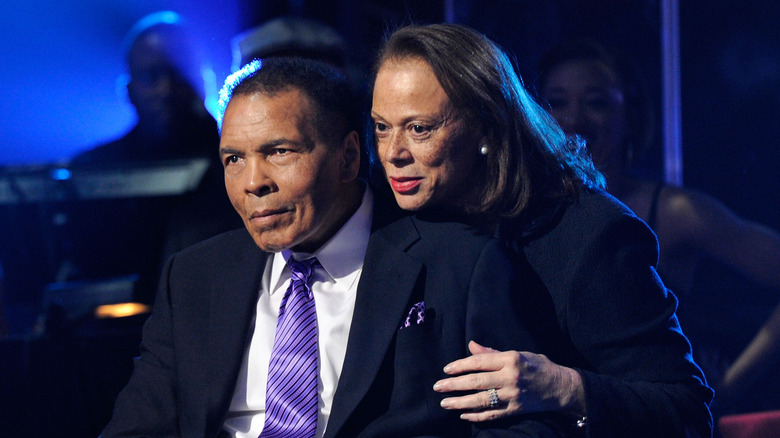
column 415, row 316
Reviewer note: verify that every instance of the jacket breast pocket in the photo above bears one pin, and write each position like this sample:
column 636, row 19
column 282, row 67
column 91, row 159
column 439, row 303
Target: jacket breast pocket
column 417, row 366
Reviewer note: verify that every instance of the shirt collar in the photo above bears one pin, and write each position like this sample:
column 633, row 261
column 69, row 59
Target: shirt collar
column 342, row 255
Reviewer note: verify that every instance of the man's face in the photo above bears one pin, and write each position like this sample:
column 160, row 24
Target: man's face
column 159, row 88
column 286, row 184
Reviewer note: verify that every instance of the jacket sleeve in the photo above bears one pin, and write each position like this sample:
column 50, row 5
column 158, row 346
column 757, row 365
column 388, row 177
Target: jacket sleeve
column 638, row 373
column 147, row 405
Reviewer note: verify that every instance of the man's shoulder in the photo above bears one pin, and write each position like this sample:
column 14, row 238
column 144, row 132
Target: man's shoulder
column 114, row 151
column 233, row 244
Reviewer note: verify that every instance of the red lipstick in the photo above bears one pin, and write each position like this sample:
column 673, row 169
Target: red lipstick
column 404, row 185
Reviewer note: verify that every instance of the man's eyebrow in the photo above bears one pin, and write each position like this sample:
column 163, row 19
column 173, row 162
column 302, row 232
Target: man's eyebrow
column 229, row 151
column 277, row 142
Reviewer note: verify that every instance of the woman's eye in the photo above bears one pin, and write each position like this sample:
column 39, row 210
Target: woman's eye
column 599, row 103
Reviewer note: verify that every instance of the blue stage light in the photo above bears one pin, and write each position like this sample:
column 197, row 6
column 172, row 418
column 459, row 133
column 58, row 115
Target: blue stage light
column 61, row 174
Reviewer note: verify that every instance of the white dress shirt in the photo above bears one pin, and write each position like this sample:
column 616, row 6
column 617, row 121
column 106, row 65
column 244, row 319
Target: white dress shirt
column 335, row 287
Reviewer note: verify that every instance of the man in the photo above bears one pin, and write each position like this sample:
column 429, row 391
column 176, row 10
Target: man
column 165, row 86
column 396, row 296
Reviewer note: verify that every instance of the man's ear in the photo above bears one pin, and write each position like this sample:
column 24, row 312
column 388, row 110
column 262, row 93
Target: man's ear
column 120, row 86
column 132, row 92
column 350, row 157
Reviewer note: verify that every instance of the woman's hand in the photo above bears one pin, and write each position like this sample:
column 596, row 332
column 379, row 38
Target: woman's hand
column 524, row 382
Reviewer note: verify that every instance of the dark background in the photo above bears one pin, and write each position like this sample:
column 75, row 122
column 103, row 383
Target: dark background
column 61, row 61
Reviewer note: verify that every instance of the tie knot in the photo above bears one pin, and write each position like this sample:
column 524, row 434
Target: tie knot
column 302, row 270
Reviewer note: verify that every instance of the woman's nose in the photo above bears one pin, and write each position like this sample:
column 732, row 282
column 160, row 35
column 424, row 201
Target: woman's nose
column 569, row 117
column 397, row 151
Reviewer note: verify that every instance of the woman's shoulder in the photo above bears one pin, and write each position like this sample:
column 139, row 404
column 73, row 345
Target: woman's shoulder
column 593, row 217
column 594, row 209
column 599, row 203
column 585, row 239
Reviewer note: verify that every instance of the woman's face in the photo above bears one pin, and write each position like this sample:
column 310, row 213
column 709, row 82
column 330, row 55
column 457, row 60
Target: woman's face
column 426, row 148
column 585, row 98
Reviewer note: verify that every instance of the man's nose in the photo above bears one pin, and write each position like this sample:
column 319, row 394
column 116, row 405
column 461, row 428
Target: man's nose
column 257, row 180
column 164, row 84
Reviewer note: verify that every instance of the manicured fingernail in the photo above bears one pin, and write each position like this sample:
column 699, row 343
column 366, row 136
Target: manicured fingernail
column 448, row 368
column 445, row 403
column 436, row 386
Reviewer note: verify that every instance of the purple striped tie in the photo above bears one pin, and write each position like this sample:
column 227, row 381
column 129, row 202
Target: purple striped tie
column 291, row 396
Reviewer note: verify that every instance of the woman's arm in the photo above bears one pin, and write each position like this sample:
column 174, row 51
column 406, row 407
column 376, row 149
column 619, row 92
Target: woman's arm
column 704, row 224
column 756, row 360
column 713, row 230
column 619, row 330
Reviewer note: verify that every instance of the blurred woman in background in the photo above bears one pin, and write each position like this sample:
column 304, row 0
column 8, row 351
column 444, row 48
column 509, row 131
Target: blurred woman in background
column 600, row 97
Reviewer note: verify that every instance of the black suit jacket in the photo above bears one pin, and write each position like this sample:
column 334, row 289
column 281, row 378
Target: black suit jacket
column 194, row 342
column 595, row 302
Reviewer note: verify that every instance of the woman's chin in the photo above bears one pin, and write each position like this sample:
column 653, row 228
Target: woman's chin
column 410, row 202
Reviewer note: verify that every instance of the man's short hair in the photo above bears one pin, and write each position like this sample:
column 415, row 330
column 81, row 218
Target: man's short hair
column 334, row 107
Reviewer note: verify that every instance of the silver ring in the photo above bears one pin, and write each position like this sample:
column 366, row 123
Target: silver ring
column 493, row 394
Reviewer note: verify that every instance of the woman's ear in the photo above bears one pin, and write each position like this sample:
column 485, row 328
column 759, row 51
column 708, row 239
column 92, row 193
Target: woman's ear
column 350, row 157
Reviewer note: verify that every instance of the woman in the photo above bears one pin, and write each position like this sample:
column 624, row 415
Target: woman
column 593, row 94
column 456, row 133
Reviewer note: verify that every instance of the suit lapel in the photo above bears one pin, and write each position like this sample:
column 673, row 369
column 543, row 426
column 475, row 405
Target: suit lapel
column 233, row 303
column 384, row 291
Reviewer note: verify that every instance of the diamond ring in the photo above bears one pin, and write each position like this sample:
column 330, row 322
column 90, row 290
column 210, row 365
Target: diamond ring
column 493, row 394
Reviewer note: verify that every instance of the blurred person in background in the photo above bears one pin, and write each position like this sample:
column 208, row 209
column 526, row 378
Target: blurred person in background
column 133, row 236
column 290, row 36
column 600, row 97
column 165, row 87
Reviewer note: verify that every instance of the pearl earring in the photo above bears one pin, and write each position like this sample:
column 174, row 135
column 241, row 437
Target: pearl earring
column 483, row 150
